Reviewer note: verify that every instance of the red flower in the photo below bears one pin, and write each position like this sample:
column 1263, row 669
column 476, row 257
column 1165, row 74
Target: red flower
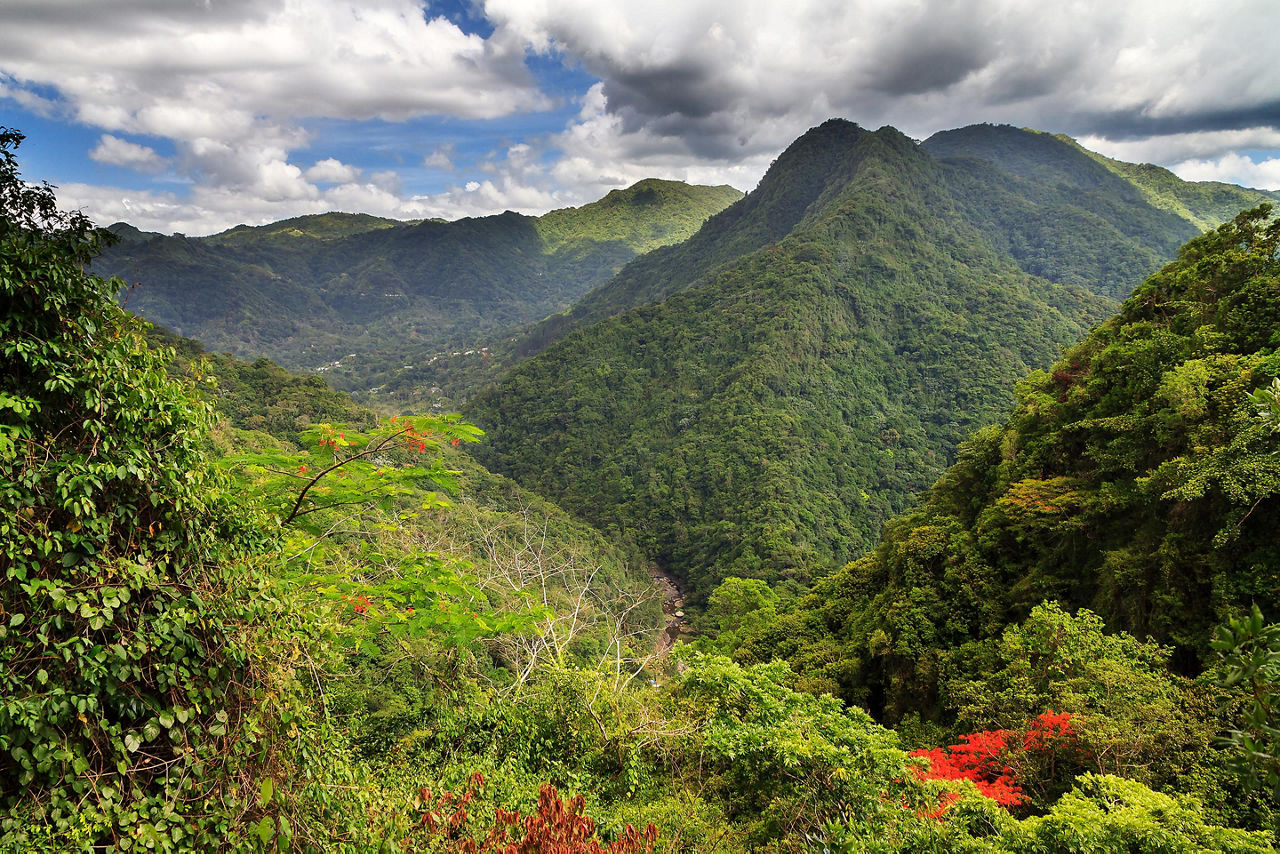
column 979, row 758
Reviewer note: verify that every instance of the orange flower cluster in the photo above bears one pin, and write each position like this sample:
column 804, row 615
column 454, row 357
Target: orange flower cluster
column 359, row 604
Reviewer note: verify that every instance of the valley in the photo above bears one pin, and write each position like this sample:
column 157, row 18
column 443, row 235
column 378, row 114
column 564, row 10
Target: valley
column 922, row 498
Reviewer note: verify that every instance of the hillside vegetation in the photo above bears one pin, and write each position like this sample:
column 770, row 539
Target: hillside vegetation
column 817, row 350
column 1133, row 478
column 268, row 629
column 369, row 293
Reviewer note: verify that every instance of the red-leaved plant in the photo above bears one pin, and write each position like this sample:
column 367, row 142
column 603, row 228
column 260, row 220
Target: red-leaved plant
column 558, row 827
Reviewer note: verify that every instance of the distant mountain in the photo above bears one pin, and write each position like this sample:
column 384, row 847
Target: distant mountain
column 1073, row 216
column 312, row 290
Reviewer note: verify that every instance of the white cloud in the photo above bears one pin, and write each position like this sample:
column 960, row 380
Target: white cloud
column 120, row 152
column 698, row 90
column 37, row 104
column 1233, row 169
column 723, row 85
column 1177, row 147
column 332, row 171
column 231, row 83
column 166, row 69
column 441, row 158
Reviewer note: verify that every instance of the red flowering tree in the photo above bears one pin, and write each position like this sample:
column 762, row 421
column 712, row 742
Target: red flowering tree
column 998, row 762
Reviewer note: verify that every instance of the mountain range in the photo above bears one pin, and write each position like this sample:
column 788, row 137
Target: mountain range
column 758, row 400
column 362, row 291
column 1017, row 660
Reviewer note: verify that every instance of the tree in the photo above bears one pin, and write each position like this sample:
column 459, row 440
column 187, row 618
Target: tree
column 737, row 610
column 1131, row 716
column 129, row 574
column 1249, row 657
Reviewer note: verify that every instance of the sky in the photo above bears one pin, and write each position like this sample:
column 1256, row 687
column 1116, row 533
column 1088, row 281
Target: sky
column 194, row 116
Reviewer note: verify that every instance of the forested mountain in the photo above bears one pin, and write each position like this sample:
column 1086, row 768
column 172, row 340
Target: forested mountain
column 810, row 358
column 1060, row 211
column 312, row 290
column 1073, row 216
column 384, row 668
column 1136, row 478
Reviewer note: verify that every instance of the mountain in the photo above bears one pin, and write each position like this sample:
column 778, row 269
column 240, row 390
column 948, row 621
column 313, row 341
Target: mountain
column 765, row 421
column 1136, row 477
column 310, row 291
column 810, row 359
column 1074, row 216
column 1059, row 211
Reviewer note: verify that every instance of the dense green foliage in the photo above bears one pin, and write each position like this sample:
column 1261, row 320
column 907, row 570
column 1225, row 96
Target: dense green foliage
column 303, row 627
column 260, row 395
column 1057, row 211
column 135, row 694
column 361, row 297
column 1101, row 815
column 1135, row 478
column 765, row 423
column 1249, row 657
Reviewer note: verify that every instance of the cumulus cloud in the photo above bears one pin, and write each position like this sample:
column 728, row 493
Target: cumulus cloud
column 1178, row 147
column 332, row 171
column 440, row 158
column 120, row 152
column 279, row 191
column 191, row 69
column 1233, row 169
column 698, row 90
column 232, row 84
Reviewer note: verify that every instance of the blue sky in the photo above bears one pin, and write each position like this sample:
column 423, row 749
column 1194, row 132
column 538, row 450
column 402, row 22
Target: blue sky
column 197, row 115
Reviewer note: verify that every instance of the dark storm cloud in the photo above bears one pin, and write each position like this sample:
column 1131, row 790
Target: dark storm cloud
column 126, row 16
column 685, row 90
column 719, row 79
column 1132, row 125
column 919, row 71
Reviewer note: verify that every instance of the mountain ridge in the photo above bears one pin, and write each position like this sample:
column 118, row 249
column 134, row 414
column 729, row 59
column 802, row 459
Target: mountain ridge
column 306, row 291
column 878, row 332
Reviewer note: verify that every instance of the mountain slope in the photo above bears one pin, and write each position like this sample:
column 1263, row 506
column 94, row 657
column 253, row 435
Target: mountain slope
column 767, row 421
column 1060, row 211
column 315, row 289
column 766, row 215
column 1135, row 478
column 1070, row 215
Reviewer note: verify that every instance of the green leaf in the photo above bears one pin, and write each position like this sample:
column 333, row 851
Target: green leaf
column 266, row 829
column 264, row 792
